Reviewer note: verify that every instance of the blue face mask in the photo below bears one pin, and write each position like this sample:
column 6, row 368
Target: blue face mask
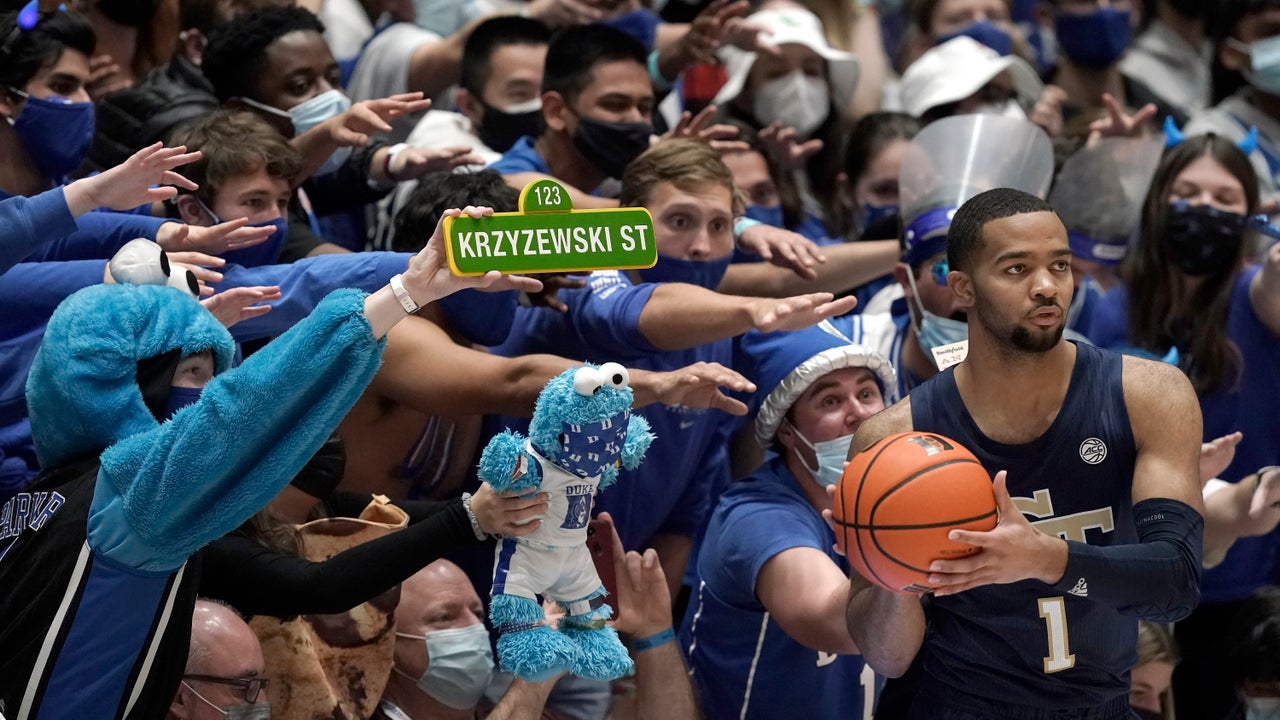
column 459, row 665
column 703, row 273
column 1264, row 63
column 986, row 33
column 876, row 214
column 768, row 214
column 318, row 109
column 180, row 397
column 1262, row 708
column 934, row 331
column 1094, row 40
column 55, row 132
column 830, row 454
column 264, row 253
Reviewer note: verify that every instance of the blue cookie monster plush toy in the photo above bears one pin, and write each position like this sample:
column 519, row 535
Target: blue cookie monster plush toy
column 582, row 428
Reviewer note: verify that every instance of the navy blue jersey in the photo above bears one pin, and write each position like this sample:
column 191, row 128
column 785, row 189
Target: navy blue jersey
column 1027, row 643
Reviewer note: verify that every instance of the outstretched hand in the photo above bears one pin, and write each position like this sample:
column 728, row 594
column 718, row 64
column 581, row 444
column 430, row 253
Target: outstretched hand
column 1014, row 550
column 129, row 184
column 353, row 127
column 508, row 513
column 798, row 312
column 783, row 248
column 1118, row 123
column 699, row 386
column 1217, row 454
column 722, row 137
column 214, row 239
column 241, row 303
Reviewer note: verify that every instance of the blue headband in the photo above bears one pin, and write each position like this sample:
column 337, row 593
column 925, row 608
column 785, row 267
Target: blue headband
column 1173, row 136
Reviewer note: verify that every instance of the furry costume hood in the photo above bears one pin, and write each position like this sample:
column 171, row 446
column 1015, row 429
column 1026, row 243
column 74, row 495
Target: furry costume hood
column 82, row 392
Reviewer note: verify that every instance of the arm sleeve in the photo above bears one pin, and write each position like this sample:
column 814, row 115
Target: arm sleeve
column 25, row 223
column 349, row 504
column 606, row 314
column 1156, row 579
column 164, row 493
column 348, row 186
column 260, row 581
column 481, row 317
column 31, row 291
column 742, row 550
column 305, row 283
column 99, row 236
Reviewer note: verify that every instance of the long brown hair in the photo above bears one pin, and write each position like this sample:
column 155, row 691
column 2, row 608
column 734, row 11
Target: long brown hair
column 1157, row 294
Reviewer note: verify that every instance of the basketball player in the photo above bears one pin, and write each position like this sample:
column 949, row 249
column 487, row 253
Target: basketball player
column 1095, row 462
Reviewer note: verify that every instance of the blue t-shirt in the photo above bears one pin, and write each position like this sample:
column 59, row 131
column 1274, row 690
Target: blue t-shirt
column 742, row 663
column 1249, row 406
column 521, row 158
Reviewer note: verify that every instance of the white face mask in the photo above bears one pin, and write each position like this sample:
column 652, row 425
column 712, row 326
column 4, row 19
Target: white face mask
column 796, row 100
column 459, row 665
column 831, row 456
column 1264, row 63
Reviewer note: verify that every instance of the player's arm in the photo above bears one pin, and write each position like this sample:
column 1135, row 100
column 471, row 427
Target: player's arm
column 680, row 316
column 887, row 627
column 815, row 617
column 1159, row 577
column 848, row 265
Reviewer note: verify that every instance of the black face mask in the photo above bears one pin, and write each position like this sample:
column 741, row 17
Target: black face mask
column 1201, row 239
column 611, row 146
column 501, row 129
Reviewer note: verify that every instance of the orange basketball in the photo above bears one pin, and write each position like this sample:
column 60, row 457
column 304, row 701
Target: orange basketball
column 898, row 499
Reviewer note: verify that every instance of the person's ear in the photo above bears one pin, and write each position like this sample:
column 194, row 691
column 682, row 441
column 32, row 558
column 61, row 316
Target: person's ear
column 189, row 210
column 469, row 105
column 10, row 104
column 556, row 112
column 962, row 285
column 900, row 270
column 180, row 708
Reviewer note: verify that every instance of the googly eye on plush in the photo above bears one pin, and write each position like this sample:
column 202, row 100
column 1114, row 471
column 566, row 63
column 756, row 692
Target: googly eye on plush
column 185, row 280
column 140, row 262
column 587, row 381
column 614, row 375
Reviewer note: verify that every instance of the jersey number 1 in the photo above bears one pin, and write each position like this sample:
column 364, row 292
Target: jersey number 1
column 1054, row 612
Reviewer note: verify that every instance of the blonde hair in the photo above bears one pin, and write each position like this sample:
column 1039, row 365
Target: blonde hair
column 686, row 164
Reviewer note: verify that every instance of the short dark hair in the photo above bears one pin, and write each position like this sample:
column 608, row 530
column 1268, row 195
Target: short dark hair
column 440, row 191
column 574, row 53
column 921, row 13
column 485, row 40
column 234, row 143
column 204, row 15
column 964, row 237
column 31, row 50
column 237, row 50
column 1253, row 655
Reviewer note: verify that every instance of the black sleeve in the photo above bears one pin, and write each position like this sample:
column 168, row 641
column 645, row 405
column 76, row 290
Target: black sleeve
column 301, row 240
column 259, row 581
column 348, row 186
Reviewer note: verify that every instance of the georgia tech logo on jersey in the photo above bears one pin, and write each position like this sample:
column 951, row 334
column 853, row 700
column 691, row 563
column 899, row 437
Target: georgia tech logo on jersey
column 1067, row 527
column 1093, row 451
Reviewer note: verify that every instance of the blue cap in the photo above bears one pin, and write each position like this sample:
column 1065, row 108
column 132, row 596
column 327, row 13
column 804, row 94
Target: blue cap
column 784, row 364
column 1100, row 251
column 926, row 235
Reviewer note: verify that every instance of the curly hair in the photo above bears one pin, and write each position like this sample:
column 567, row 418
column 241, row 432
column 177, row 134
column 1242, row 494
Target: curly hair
column 237, row 50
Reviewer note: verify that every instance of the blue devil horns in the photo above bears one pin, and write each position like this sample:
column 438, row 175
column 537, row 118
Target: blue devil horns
column 1173, row 136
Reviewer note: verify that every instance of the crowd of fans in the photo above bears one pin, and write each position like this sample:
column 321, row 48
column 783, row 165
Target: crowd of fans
column 242, row 397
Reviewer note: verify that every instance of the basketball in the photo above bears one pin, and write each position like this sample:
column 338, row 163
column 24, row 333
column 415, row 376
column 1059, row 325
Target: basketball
column 898, row 499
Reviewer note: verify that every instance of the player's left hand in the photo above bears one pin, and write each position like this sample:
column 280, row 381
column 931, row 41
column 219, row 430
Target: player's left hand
column 1014, row 550
column 783, row 248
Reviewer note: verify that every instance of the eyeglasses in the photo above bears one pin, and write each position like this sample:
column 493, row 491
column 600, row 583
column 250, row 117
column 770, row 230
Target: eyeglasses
column 252, row 687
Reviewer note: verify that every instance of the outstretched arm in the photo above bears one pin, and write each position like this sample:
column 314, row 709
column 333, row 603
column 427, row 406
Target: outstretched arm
column 1248, row 508
column 680, row 316
column 848, row 265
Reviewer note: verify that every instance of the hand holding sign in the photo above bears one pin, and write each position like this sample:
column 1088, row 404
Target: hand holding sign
column 548, row 235
column 428, row 278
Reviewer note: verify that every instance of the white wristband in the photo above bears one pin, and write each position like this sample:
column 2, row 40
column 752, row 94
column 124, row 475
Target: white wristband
column 406, row 300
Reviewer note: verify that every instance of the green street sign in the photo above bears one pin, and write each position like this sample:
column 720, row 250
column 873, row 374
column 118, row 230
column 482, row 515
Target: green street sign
column 548, row 235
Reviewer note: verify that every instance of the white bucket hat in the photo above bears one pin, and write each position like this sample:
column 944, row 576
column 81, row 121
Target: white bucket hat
column 958, row 68
column 791, row 26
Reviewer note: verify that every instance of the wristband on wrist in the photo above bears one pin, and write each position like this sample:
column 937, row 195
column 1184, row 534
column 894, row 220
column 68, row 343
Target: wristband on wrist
column 662, row 637
column 475, row 524
column 742, row 224
column 655, row 73
column 406, row 300
column 386, row 160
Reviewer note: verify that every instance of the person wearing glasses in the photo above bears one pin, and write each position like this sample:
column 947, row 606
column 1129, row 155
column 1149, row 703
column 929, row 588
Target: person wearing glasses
column 223, row 677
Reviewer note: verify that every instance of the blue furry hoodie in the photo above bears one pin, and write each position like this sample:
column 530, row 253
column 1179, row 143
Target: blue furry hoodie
column 93, row 556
